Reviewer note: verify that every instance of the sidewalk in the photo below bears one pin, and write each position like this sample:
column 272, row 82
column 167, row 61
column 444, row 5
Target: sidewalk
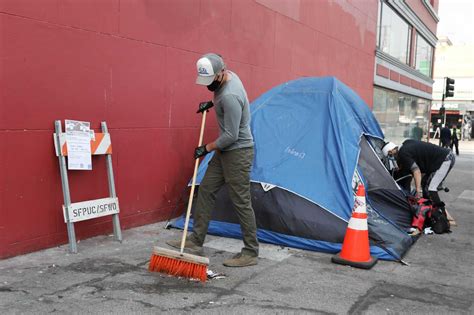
column 107, row 277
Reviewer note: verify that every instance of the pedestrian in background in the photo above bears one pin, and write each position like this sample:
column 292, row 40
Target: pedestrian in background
column 467, row 128
column 455, row 137
column 445, row 137
column 437, row 132
column 417, row 132
column 466, row 132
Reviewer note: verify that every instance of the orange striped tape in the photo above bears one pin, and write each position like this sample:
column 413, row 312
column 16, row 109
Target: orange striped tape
column 101, row 145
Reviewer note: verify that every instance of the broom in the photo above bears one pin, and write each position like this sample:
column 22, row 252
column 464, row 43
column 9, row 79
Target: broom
column 179, row 263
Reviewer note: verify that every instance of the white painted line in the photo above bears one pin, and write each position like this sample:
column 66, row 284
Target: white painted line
column 467, row 194
column 267, row 251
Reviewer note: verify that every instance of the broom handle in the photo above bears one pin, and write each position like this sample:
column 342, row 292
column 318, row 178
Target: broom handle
column 193, row 184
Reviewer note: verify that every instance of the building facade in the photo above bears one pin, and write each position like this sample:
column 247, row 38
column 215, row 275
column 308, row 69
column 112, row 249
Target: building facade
column 131, row 63
column 403, row 81
column 456, row 62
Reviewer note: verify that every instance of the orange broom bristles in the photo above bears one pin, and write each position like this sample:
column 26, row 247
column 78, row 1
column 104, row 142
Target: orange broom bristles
column 176, row 267
column 180, row 263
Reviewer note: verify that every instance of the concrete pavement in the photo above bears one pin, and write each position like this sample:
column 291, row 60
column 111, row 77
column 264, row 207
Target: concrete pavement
column 110, row 278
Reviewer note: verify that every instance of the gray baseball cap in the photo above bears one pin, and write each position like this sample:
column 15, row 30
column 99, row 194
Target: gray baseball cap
column 207, row 67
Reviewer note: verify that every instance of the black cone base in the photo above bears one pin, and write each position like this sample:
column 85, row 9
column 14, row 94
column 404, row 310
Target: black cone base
column 363, row 265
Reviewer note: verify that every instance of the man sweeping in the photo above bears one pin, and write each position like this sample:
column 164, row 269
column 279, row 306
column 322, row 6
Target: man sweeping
column 419, row 158
column 231, row 163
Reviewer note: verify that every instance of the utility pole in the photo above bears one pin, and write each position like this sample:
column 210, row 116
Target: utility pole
column 442, row 110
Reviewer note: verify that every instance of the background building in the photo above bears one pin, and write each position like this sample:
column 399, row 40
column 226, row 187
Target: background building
column 131, row 63
column 404, row 66
column 456, row 62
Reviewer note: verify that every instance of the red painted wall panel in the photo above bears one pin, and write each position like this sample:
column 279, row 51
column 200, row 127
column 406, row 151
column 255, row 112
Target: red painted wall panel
column 394, row 76
column 3, row 209
column 139, row 88
column 422, row 12
column 30, row 186
column 45, row 10
column 100, row 16
column 252, row 25
column 132, row 64
column 367, row 6
column 316, row 15
column 303, row 61
column 405, row 80
column 48, row 73
column 289, row 8
column 165, row 22
column 324, row 59
column 143, row 166
column 284, row 28
column 215, row 26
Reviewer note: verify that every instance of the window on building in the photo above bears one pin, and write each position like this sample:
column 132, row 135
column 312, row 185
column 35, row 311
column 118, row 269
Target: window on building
column 400, row 115
column 424, row 56
column 394, row 34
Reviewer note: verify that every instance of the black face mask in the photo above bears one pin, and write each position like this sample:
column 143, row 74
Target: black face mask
column 214, row 85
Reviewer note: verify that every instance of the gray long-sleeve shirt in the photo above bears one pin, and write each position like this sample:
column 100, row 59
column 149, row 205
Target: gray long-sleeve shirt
column 233, row 115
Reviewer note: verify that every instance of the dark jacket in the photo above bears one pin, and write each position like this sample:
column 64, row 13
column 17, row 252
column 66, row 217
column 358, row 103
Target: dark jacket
column 445, row 134
column 427, row 156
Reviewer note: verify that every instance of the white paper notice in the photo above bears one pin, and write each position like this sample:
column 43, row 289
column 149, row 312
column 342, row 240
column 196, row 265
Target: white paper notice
column 78, row 141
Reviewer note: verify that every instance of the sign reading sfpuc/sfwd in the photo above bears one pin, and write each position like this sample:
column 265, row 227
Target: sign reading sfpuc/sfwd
column 90, row 209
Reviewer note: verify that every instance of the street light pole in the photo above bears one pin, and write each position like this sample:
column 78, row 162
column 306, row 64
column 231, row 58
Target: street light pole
column 442, row 109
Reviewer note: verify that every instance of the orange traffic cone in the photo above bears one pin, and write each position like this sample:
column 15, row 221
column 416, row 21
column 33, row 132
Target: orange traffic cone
column 355, row 248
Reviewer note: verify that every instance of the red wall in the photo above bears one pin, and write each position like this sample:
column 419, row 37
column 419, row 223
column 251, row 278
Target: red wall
column 422, row 12
column 132, row 63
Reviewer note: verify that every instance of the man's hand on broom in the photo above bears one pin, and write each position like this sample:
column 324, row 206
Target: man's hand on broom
column 203, row 106
column 200, row 151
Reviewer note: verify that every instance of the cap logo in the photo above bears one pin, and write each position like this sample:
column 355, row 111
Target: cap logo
column 203, row 70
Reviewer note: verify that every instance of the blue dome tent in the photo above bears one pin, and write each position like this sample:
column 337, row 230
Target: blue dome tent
column 315, row 139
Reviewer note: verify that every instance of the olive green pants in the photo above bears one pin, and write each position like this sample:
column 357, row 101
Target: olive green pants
column 232, row 168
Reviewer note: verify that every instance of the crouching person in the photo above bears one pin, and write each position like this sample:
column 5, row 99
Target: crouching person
column 423, row 158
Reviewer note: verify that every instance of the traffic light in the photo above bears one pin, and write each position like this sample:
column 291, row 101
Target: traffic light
column 449, row 90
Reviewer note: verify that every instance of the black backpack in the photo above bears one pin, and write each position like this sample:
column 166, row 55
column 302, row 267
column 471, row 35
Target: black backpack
column 428, row 214
column 439, row 220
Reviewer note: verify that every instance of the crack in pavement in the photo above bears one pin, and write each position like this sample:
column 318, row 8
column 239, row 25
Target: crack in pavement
column 9, row 289
column 424, row 295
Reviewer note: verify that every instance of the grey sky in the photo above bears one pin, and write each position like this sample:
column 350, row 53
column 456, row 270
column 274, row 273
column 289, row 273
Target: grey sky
column 456, row 20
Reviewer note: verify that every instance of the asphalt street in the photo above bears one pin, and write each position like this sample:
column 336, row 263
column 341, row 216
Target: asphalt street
column 107, row 277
